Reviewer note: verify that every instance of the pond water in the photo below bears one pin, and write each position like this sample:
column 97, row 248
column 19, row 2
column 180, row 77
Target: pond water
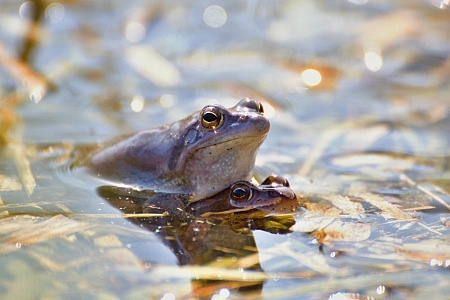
column 357, row 93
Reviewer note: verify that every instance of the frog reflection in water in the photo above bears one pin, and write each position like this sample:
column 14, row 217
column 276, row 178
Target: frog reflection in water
column 230, row 214
column 197, row 156
column 215, row 229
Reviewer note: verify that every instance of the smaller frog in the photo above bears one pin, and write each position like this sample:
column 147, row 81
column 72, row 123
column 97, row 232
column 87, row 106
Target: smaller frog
column 274, row 195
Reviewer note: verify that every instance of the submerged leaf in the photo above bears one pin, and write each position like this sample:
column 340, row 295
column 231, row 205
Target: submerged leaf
column 9, row 184
column 388, row 210
column 433, row 251
column 19, row 231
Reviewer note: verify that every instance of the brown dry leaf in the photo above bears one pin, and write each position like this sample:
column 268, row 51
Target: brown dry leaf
column 445, row 221
column 310, row 222
column 3, row 212
column 23, row 166
column 19, row 231
column 9, row 184
column 320, row 209
column 332, row 229
column 34, row 83
column 344, row 231
column 11, row 136
column 434, row 252
column 389, row 211
column 305, row 226
column 8, row 118
column 431, row 190
column 347, row 207
column 249, row 260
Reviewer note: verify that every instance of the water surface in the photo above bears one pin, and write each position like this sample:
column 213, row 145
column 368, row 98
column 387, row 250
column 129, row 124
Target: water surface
column 357, row 95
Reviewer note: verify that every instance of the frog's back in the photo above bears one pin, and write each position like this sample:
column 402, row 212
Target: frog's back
column 138, row 159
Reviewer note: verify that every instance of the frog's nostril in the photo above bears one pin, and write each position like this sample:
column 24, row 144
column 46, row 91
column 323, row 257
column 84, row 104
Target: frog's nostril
column 243, row 118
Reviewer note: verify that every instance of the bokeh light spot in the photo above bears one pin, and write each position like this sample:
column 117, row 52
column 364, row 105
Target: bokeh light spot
column 214, row 16
column 137, row 103
column 311, row 77
column 223, row 294
column 373, row 61
column 55, row 12
column 381, row 289
column 26, row 9
column 135, row 32
column 36, row 96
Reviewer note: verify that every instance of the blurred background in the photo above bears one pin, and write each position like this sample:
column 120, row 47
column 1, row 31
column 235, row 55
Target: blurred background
column 357, row 93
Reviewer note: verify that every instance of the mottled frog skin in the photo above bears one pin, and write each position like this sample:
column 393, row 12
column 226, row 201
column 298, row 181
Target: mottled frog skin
column 197, row 156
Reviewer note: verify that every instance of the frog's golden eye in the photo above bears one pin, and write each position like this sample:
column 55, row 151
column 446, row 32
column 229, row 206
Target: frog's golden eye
column 260, row 108
column 250, row 105
column 240, row 193
column 211, row 117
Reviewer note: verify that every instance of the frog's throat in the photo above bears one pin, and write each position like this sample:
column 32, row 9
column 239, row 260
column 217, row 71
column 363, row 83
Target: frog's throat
column 179, row 158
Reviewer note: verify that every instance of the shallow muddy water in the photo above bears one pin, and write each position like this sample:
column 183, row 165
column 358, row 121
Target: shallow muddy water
column 357, row 93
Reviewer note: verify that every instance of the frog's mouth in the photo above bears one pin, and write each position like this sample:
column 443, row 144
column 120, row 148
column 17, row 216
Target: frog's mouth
column 244, row 138
column 249, row 144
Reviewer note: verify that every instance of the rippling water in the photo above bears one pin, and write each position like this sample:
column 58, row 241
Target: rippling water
column 357, row 95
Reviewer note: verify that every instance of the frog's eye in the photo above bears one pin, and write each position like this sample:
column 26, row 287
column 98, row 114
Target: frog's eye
column 251, row 105
column 260, row 108
column 240, row 193
column 211, row 117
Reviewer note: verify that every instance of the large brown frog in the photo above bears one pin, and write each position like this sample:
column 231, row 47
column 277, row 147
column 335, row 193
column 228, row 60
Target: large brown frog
column 197, row 156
